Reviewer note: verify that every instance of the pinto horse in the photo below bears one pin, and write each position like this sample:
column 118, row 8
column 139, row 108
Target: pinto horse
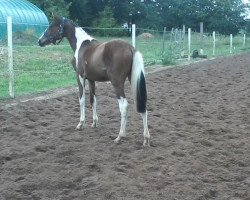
column 113, row 61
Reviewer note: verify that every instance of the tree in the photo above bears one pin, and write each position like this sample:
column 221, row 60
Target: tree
column 53, row 7
column 105, row 21
column 223, row 16
column 227, row 16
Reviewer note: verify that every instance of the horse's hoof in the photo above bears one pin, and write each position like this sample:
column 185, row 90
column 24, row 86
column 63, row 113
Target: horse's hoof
column 120, row 136
column 80, row 126
column 117, row 140
column 146, row 142
column 94, row 124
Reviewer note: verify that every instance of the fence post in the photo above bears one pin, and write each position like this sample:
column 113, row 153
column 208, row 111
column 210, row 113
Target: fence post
column 133, row 34
column 201, row 35
column 189, row 43
column 175, row 35
column 164, row 38
column 231, row 42
column 244, row 40
column 183, row 33
column 171, row 35
column 213, row 43
column 10, row 57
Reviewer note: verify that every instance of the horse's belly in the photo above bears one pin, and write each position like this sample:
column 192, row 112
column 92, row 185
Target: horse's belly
column 96, row 74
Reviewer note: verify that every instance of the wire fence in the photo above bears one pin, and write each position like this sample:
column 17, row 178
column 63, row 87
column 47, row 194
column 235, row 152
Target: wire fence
column 39, row 69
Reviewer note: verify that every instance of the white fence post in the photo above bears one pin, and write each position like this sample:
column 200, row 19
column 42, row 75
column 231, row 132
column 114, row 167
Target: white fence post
column 201, row 38
column 213, row 43
column 244, row 40
column 133, row 35
column 183, row 33
column 189, row 43
column 164, row 39
column 10, row 57
column 231, row 42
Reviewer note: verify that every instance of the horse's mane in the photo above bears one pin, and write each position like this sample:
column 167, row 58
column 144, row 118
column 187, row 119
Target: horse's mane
column 69, row 20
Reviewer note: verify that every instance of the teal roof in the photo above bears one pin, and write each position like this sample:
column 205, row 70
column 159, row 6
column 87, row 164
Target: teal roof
column 25, row 15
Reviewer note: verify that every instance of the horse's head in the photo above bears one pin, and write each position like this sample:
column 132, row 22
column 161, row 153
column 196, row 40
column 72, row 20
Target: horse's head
column 53, row 33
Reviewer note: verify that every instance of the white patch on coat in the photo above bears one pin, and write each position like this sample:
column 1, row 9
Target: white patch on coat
column 82, row 102
column 95, row 117
column 81, row 36
column 123, row 106
column 81, row 81
column 145, row 127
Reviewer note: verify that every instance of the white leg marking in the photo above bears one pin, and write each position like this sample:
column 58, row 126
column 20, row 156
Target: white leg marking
column 145, row 127
column 82, row 106
column 123, row 105
column 95, row 117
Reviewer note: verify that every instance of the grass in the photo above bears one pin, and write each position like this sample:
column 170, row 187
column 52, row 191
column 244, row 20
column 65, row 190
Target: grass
column 39, row 69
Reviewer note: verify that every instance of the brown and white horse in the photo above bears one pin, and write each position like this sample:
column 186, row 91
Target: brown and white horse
column 113, row 61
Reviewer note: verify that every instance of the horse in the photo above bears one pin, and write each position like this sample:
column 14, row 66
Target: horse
column 113, row 61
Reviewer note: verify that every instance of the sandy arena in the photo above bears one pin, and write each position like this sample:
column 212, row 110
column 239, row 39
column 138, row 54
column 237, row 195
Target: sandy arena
column 199, row 120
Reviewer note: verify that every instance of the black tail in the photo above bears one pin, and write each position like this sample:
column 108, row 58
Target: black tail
column 141, row 94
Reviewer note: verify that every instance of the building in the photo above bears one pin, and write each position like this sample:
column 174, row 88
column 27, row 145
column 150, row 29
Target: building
column 25, row 16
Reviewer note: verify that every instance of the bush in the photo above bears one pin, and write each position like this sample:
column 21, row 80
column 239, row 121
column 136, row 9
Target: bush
column 168, row 57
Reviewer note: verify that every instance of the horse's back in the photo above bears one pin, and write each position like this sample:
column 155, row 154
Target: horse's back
column 118, row 56
column 118, row 46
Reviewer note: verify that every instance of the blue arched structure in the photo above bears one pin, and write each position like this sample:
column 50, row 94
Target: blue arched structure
column 25, row 15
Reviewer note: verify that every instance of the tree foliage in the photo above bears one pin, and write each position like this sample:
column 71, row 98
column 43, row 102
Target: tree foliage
column 104, row 21
column 53, row 7
column 223, row 16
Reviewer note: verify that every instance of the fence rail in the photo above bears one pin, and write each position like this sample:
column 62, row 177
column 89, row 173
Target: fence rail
column 39, row 69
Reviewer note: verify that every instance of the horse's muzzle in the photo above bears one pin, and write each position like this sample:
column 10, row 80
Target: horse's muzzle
column 41, row 43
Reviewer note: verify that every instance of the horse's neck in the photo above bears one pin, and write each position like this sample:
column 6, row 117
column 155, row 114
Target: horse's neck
column 79, row 37
column 82, row 35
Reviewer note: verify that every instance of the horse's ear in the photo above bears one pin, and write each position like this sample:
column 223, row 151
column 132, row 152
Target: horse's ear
column 56, row 18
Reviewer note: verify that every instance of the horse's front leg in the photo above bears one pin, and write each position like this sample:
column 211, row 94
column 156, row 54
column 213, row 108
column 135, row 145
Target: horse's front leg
column 93, row 102
column 81, row 86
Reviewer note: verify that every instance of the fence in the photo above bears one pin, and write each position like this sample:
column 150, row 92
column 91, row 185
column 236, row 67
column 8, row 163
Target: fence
column 39, row 69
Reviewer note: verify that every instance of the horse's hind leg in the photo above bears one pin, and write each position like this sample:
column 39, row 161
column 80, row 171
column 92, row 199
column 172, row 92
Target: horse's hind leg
column 93, row 102
column 123, row 106
column 145, row 127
